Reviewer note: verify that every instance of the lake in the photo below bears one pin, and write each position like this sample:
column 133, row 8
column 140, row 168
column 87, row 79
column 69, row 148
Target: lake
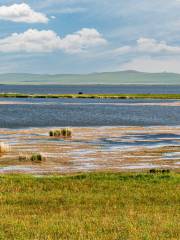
column 108, row 134
column 22, row 113
column 89, row 89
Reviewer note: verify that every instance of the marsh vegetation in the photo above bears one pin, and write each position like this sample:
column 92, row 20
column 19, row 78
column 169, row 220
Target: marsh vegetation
column 65, row 132
column 101, row 96
column 35, row 157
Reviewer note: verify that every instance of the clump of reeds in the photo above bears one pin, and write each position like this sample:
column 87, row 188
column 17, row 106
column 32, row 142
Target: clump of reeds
column 36, row 157
column 23, row 158
column 4, row 148
column 65, row 132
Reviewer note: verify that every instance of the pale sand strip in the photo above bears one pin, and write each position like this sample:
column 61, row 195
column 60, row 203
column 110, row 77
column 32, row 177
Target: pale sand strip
column 170, row 104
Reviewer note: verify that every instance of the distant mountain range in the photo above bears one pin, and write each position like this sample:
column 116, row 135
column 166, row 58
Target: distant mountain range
column 122, row 77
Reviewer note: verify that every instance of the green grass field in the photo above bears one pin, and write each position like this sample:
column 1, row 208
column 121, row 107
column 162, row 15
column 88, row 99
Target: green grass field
column 90, row 207
column 112, row 96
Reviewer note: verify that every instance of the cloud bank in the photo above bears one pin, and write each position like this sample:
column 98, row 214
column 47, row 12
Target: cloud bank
column 148, row 46
column 35, row 41
column 21, row 13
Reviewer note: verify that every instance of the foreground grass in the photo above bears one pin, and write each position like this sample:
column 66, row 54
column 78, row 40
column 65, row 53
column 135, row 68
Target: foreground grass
column 92, row 206
column 103, row 96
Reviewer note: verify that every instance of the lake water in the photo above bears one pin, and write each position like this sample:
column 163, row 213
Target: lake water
column 95, row 144
column 65, row 89
column 21, row 113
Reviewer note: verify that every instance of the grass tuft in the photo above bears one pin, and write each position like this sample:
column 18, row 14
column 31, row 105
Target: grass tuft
column 37, row 157
column 23, row 158
column 65, row 133
column 4, row 148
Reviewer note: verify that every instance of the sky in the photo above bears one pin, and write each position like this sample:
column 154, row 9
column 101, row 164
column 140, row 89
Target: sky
column 84, row 36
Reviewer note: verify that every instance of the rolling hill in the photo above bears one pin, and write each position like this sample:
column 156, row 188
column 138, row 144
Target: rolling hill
column 122, row 77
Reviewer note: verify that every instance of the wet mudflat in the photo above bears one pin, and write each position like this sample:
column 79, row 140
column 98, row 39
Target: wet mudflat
column 92, row 149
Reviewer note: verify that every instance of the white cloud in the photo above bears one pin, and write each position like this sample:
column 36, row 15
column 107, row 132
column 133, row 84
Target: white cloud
column 34, row 40
column 152, row 46
column 21, row 13
column 82, row 40
column 152, row 65
column 148, row 46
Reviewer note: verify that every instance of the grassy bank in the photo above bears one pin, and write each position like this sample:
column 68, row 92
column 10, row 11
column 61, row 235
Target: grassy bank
column 112, row 96
column 90, row 206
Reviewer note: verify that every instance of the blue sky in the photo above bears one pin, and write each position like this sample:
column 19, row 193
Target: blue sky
column 82, row 36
